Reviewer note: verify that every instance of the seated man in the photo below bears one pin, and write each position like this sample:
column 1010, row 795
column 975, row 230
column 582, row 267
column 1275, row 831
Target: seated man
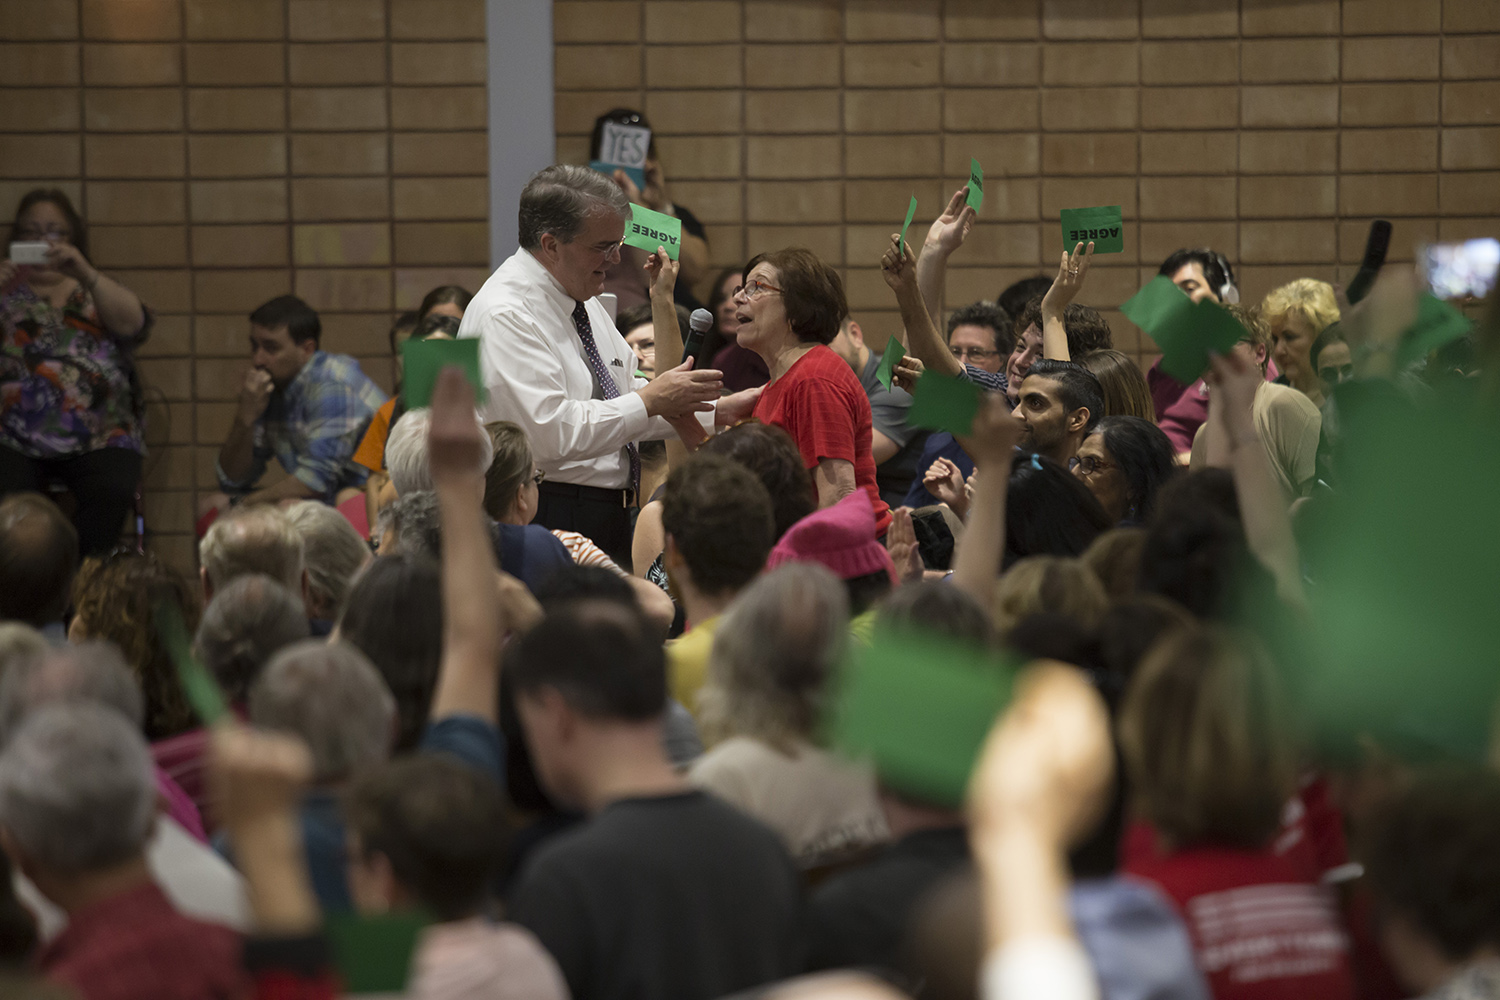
column 306, row 407
column 262, row 540
column 38, row 556
column 1059, row 402
column 333, row 552
column 77, row 805
column 665, row 892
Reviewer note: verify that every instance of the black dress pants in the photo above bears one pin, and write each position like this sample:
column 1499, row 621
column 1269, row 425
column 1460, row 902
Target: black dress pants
column 598, row 514
column 102, row 482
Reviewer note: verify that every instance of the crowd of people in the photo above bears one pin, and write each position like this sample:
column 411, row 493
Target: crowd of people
column 552, row 676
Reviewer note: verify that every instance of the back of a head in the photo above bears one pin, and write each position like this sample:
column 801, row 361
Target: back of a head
column 603, row 656
column 258, row 539
column 1124, row 387
column 116, row 599
column 511, row 466
column 19, row 642
column 1077, row 386
column 1198, row 558
column 1126, row 633
column 406, row 452
column 1014, row 297
column 416, row 523
column 1206, row 736
column 558, row 200
column 246, row 624
column 438, row 822
column 1086, row 329
column 1049, row 584
column 937, row 606
column 771, row 454
column 1115, row 558
column 79, row 672
column 773, row 653
column 38, row 556
column 718, row 516
column 333, row 553
column 1430, row 854
column 1145, row 457
column 394, row 615
column 77, row 792
column 1049, row 511
column 332, row 697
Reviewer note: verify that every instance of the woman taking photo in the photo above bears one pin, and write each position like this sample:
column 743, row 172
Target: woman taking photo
column 70, row 406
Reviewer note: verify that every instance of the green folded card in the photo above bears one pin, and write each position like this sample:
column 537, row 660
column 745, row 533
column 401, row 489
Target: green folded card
column 648, row 230
column 374, row 953
column 911, row 211
column 421, row 360
column 976, row 185
column 889, row 360
column 1437, row 323
column 1185, row 331
column 919, row 705
column 198, row 685
column 1101, row 225
column 944, row 403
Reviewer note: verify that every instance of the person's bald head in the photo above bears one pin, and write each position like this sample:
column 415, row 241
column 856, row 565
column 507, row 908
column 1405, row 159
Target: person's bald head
column 259, row 539
column 38, row 556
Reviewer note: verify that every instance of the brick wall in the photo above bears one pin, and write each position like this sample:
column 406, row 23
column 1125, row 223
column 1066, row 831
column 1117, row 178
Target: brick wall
column 1273, row 130
column 226, row 151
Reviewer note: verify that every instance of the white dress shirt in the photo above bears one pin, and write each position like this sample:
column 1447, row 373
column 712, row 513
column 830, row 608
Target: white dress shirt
column 536, row 374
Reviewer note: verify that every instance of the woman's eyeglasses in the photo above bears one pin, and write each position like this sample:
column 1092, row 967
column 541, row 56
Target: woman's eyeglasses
column 1088, row 465
column 755, row 288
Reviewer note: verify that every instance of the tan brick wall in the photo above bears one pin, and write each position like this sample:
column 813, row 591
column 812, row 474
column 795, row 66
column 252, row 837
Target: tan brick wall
column 1273, row 130
column 226, row 151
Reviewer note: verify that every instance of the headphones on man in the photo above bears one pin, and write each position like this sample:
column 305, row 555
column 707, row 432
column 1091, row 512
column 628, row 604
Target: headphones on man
column 1228, row 293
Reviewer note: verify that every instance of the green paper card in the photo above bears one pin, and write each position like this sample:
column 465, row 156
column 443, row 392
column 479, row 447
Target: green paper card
column 888, row 361
column 648, row 230
column 919, row 705
column 1437, row 323
column 1102, row 225
column 373, row 953
column 944, row 403
column 202, row 691
column 976, row 185
column 421, row 360
column 1184, row 331
column 911, row 211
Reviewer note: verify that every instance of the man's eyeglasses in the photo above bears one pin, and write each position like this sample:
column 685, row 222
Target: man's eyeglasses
column 755, row 288
column 973, row 353
column 1088, row 465
column 605, row 249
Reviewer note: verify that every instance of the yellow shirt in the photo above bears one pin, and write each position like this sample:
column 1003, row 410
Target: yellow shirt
column 687, row 662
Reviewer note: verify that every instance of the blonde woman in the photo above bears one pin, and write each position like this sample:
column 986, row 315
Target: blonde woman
column 1296, row 313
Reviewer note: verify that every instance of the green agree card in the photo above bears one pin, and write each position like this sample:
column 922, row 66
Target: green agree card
column 976, row 185
column 944, row 403
column 198, row 685
column 648, row 230
column 421, row 360
column 911, row 211
column 888, row 362
column 919, row 705
column 1185, row 331
column 1102, row 225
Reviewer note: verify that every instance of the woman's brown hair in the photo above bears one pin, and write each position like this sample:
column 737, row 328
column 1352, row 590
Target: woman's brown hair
column 1125, row 390
column 812, row 292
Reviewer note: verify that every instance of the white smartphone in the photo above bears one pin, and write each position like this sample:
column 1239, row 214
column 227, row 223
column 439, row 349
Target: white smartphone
column 1460, row 270
column 29, row 252
column 611, row 303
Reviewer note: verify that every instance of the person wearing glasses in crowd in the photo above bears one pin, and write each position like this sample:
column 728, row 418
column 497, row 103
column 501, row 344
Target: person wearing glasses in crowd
column 70, row 400
column 553, row 362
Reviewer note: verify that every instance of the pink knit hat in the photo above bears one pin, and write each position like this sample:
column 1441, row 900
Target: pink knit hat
column 841, row 537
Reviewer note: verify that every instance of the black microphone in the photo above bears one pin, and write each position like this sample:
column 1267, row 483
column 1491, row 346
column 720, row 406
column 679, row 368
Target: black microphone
column 698, row 325
column 1375, row 250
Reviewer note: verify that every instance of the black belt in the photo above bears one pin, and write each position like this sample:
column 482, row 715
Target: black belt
column 615, row 498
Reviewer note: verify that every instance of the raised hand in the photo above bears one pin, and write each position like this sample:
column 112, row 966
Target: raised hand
column 455, row 443
column 949, row 230
column 899, row 267
column 255, row 774
column 661, row 273
column 901, row 543
column 906, row 373
column 945, row 481
column 1069, row 281
column 993, row 438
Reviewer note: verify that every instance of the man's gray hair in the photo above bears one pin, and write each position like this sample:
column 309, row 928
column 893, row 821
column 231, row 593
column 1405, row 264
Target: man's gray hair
column 406, row 452
column 559, row 200
column 417, row 524
column 332, row 551
column 19, row 641
column 258, row 539
column 333, row 697
column 773, row 654
column 77, row 790
column 86, row 672
column 244, row 626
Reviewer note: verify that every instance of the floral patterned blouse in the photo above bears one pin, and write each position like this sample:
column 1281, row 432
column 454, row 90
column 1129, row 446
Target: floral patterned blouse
column 67, row 386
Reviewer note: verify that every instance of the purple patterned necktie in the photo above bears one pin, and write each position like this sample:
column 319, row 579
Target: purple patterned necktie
column 606, row 385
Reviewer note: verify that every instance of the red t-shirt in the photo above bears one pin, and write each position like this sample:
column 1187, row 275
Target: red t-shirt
column 821, row 404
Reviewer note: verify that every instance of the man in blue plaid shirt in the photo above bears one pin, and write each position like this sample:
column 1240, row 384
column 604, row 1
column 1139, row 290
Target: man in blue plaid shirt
column 307, row 408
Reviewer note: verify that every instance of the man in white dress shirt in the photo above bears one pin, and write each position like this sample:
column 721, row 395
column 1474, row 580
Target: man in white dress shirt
column 553, row 362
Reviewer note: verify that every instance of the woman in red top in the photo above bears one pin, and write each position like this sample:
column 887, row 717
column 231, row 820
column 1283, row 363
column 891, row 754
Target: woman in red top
column 1206, row 742
column 788, row 310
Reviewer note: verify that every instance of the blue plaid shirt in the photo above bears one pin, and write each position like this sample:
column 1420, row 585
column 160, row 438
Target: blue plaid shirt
column 313, row 426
